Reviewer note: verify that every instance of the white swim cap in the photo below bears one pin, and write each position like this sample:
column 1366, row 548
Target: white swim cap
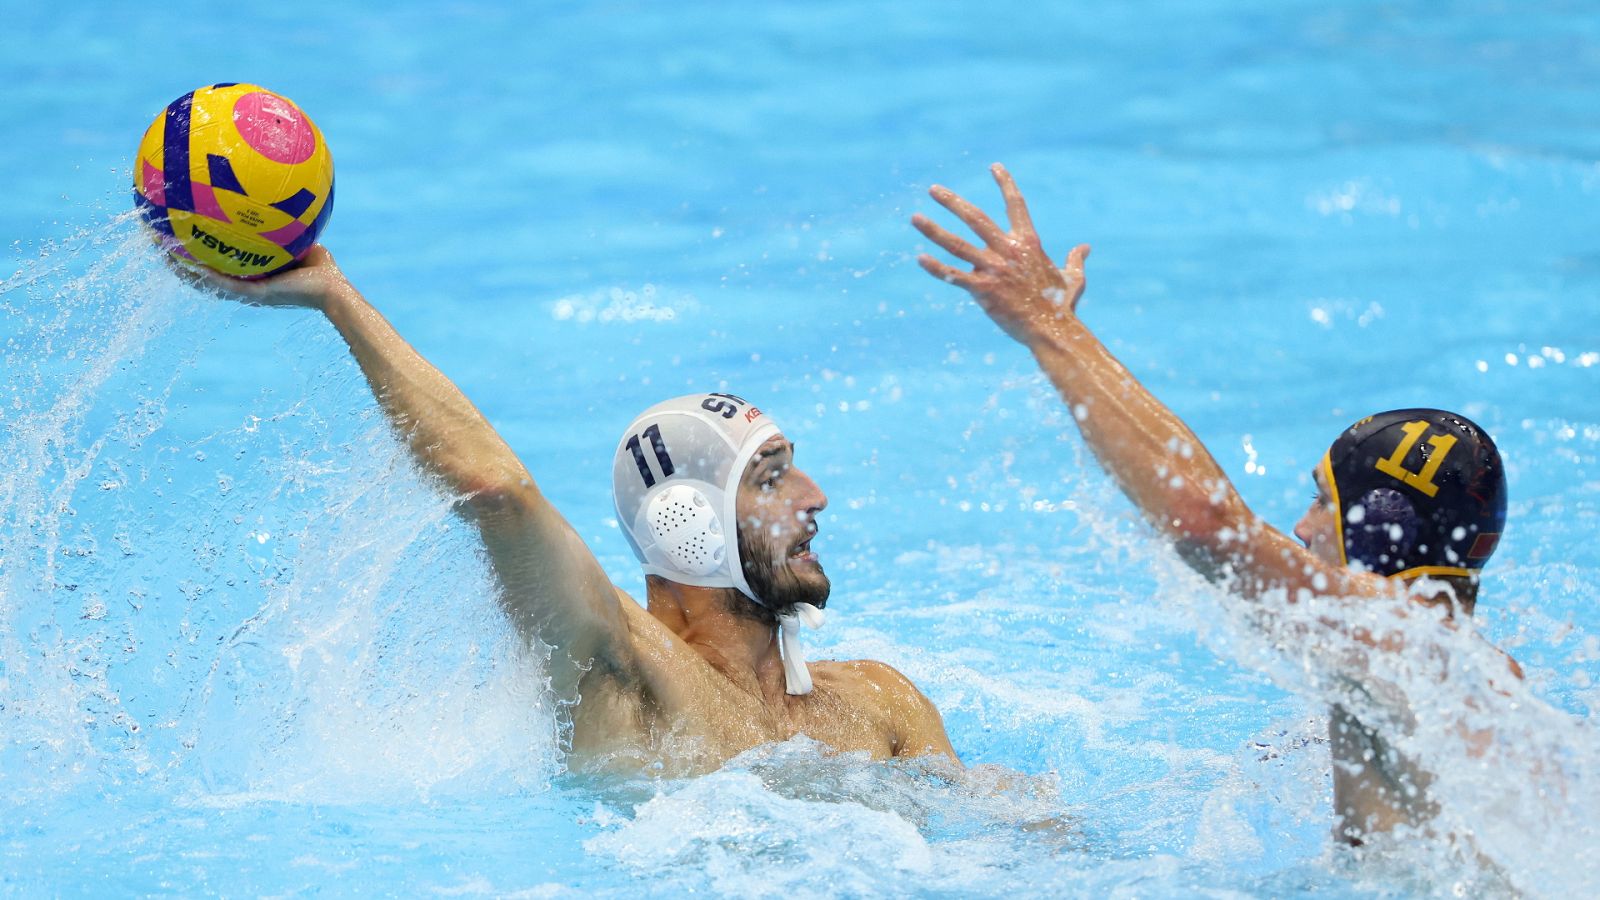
column 675, row 480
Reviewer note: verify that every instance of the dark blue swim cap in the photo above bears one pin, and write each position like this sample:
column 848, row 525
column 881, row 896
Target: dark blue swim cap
column 1419, row 492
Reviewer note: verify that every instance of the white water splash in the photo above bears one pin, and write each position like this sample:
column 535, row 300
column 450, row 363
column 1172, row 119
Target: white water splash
column 281, row 608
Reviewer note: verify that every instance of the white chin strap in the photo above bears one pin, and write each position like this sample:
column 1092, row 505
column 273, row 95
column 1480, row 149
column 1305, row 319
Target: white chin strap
column 797, row 678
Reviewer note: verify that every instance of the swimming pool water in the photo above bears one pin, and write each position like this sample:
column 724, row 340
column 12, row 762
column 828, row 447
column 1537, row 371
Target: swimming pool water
column 245, row 649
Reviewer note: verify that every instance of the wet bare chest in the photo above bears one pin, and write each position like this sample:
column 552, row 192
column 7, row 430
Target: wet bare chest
column 619, row 727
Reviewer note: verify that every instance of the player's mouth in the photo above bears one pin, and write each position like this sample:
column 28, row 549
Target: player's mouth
column 802, row 551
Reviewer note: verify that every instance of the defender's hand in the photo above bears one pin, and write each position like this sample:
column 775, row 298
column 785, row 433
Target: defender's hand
column 1012, row 278
column 309, row 284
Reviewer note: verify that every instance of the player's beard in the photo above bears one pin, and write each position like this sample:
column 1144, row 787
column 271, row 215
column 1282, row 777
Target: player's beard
column 774, row 580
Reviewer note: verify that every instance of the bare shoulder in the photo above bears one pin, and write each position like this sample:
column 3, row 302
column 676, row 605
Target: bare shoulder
column 869, row 676
column 911, row 717
column 647, row 636
column 867, row 684
column 659, row 661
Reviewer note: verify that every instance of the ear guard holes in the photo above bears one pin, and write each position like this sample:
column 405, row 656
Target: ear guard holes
column 684, row 525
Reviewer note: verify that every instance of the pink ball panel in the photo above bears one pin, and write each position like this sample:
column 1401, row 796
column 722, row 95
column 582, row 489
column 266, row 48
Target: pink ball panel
column 274, row 128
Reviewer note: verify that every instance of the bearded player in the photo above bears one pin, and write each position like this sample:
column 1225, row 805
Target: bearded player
column 713, row 505
column 1410, row 503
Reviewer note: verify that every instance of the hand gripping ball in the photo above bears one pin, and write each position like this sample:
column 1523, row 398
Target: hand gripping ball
column 234, row 177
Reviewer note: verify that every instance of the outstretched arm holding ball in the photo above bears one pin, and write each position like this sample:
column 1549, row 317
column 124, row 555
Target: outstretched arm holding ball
column 236, row 180
column 697, row 676
column 552, row 586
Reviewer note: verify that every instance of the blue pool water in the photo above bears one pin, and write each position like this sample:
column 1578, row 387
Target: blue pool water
column 245, row 649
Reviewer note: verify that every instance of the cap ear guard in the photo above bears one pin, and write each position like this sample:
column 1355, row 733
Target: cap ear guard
column 1382, row 526
column 684, row 525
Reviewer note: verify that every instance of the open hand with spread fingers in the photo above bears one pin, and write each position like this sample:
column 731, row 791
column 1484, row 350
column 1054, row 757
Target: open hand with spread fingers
column 1012, row 277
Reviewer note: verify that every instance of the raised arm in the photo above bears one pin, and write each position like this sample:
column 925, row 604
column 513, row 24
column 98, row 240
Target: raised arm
column 1153, row 456
column 551, row 584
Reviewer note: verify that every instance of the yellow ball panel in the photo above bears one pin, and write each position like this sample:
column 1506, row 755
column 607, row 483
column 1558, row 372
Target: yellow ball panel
column 225, row 247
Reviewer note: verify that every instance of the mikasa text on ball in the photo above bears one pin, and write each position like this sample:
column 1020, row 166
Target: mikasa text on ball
column 235, row 177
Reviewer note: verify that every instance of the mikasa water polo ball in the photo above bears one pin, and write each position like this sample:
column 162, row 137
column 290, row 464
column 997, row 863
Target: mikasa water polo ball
column 235, row 177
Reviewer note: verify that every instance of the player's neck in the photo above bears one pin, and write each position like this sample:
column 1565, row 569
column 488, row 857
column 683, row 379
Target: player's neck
column 715, row 623
column 1458, row 595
